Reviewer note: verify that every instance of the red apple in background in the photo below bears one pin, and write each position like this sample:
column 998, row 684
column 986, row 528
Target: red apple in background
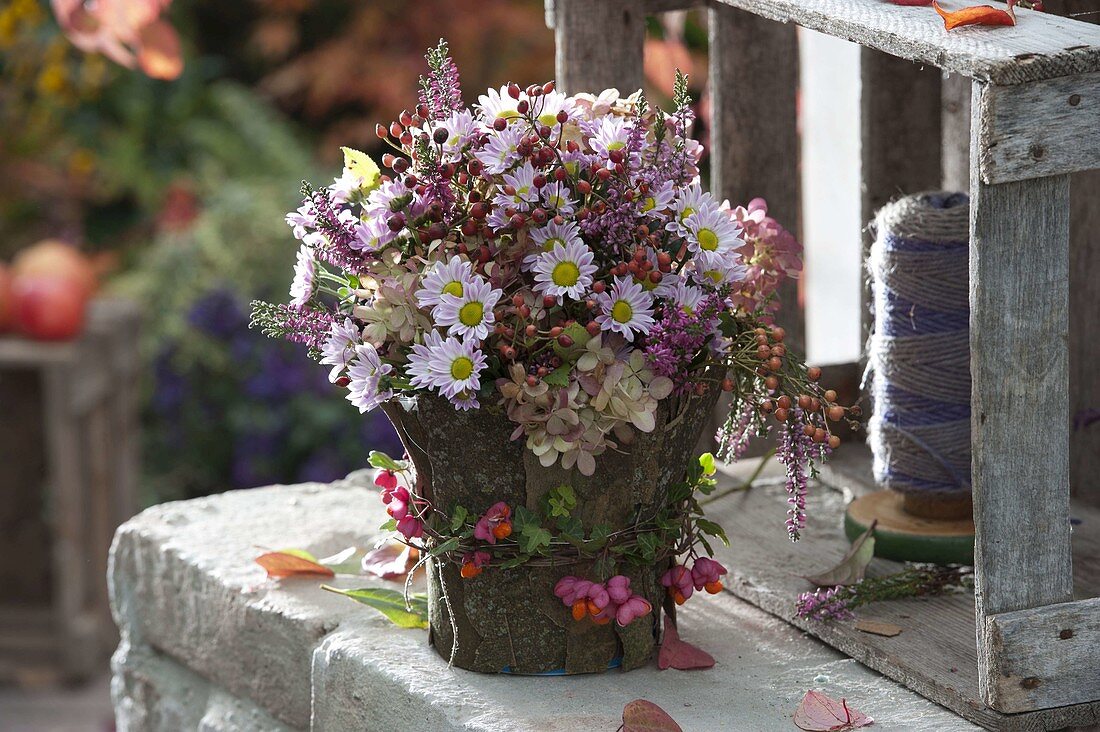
column 5, row 299
column 47, row 308
column 54, row 259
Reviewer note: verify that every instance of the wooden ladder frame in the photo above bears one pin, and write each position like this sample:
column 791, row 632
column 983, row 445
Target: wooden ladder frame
column 1033, row 100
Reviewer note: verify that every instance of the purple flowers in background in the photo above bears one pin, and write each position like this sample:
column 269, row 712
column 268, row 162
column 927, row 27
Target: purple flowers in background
column 233, row 409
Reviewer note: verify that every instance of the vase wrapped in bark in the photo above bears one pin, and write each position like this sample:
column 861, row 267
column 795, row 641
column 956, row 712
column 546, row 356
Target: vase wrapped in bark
column 509, row 620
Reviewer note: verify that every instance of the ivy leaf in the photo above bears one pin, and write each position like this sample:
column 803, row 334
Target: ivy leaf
column 534, row 539
column 514, row 561
column 571, row 529
column 853, row 566
column 292, row 563
column 604, row 567
column 390, row 603
column 597, row 538
column 647, row 542
column 561, row 501
column 390, row 525
column 645, row 716
column 522, row 517
column 459, row 517
column 712, row 529
column 382, row 461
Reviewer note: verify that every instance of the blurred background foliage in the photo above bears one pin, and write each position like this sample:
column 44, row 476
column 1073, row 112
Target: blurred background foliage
column 180, row 187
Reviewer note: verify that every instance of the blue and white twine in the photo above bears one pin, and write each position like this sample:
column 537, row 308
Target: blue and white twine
column 919, row 353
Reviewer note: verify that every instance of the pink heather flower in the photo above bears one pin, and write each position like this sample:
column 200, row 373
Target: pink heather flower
column 633, row 608
column 822, row 604
column 705, row 571
column 679, row 583
column 411, row 527
column 399, row 503
column 387, row 481
column 495, row 524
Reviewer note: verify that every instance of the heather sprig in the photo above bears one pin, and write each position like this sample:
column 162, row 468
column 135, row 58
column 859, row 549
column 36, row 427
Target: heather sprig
column 837, row 603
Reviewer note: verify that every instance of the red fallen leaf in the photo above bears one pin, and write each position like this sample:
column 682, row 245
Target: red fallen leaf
column 819, row 713
column 391, row 561
column 159, row 54
column 645, row 716
column 976, row 15
column 679, row 654
column 292, row 563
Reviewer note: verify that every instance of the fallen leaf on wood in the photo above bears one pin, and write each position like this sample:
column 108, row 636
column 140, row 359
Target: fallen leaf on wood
column 678, row 654
column 878, row 627
column 645, row 716
column 292, row 563
column 820, row 713
column 854, row 564
column 975, row 15
column 391, row 561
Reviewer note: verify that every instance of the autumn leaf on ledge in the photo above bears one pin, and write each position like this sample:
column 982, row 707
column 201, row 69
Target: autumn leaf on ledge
column 292, row 563
column 678, row 654
column 976, row 15
column 820, row 713
column 645, row 716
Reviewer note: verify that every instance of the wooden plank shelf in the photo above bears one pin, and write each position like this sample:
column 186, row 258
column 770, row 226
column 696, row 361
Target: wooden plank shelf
column 936, row 653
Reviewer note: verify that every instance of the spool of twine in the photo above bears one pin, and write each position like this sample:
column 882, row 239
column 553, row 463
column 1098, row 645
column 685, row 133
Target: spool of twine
column 919, row 353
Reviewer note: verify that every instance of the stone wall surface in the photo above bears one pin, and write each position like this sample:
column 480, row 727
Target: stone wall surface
column 208, row 643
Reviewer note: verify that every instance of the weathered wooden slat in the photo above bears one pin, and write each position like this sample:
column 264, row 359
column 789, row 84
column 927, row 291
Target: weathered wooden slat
column 649, row 7
column 1045, row 657
column 755, row 146
column 900, row 137
column 599, row 45
column 1040, row 46
column 955, row 123
column 1084, row 345
column 935, row 654
column 1019, row 299
column 1040, row 129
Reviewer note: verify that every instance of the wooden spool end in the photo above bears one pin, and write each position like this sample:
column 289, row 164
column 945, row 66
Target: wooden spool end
column 904, row 535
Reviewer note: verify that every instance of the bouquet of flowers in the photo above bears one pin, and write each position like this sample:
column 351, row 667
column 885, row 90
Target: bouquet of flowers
column 554, row 258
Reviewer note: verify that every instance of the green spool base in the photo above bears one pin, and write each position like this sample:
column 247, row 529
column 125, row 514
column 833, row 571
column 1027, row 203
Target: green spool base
column 904, row 537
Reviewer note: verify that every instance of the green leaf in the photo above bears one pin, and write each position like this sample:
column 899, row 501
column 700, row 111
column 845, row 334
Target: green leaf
column 514, row 561
column 559, row 376
column 390, row 525
column 301, row 553
column 459, row 517
column 647, row 542
column 597, row 538
column 571, row 529
column 534, row 539
column 706, row 462
column 604, row 567
column 390, row 603
column 713, row 529
column 580, row 337
column 448, row 546
column 522, row 517
column 852, row 567
column 561, row 501
column 382, row 461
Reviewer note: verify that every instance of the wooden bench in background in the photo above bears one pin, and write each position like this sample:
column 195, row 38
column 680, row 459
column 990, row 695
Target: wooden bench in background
column 1014, row 117
column 68, row 477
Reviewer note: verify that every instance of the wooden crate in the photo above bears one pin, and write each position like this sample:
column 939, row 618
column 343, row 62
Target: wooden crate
column 1016, row 120
column 69, row 450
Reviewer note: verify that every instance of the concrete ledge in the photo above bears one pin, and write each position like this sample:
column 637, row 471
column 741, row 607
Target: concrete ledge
column 209, row 643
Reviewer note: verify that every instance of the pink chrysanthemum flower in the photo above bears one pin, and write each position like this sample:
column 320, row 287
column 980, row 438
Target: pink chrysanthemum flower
column 499, row 153
column 627, row 309
column 565, row 271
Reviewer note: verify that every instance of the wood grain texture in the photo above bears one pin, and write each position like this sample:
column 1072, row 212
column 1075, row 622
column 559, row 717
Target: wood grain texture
column 1046, row 657
column 955, row 123
column 1084, row 345
column 1040, row 46
column 599, row 45
column 900, row 142
column 935, row 654
column 1040, row 129
column 755, row 145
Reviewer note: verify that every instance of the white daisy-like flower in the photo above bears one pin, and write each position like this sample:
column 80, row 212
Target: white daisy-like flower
column 565, row 271
column 611, row 133
column 691, row 200
column 305, row 277
column 493, row 104
column 556, row 197
column 716, row 269
column 712, row 230
column 461, row 128
column 686, row 296
column 465, row 401
column 626, row 309
column 372, row 235
column 658, row 199
column 448, row 365
column 469, row 315
column 499, row 154
column 548, row 106
column 339, row 349
column 523, row 180
column 301, row 220
column 365, row 374
column 548, row 236
column 444, row 278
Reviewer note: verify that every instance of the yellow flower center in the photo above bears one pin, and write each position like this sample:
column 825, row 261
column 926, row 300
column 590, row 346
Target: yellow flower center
column 707, row 239
column 549, row 119
column 621, row 312
column 549, row 243
column 454, row 287
column 461, row 368
column 566, row 274
column 649, row 205
column 617, row 145
column 685, row 213
column 471, row 314
column 714, row 275
column 508, row 114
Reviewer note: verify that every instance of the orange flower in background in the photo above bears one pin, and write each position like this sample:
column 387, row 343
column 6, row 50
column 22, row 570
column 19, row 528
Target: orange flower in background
column 129, row 32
